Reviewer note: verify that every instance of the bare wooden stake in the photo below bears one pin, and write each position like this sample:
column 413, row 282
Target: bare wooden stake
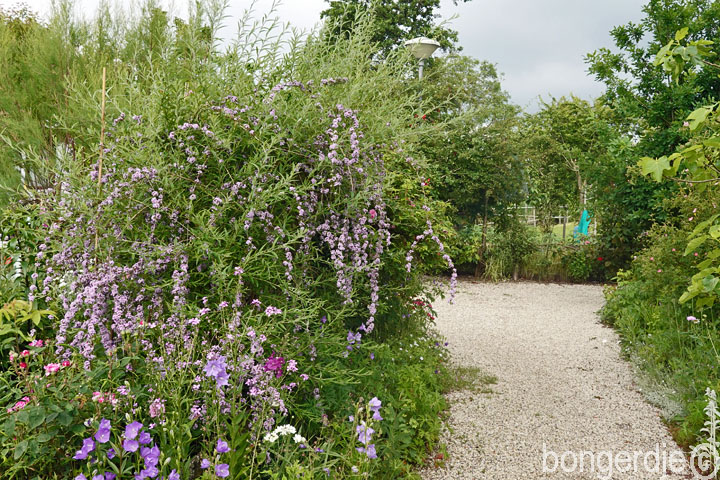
column 102, row 133
column 102, row 151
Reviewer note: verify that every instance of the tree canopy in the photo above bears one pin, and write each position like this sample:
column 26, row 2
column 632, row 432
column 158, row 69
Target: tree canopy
column 395, row 20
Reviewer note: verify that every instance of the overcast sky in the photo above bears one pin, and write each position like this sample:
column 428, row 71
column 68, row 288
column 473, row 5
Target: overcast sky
column 538, row 45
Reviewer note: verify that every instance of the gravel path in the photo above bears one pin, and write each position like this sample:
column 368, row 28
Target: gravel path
column 561, row 384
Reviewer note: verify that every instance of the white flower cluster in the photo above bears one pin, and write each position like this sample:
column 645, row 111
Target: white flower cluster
column 283, row 430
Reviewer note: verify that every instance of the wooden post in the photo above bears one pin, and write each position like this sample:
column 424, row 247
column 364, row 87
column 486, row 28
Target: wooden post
column 102, row 151
column 102, row 133
column 565, row 219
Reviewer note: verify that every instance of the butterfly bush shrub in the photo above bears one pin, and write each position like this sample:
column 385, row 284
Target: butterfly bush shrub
column 234, row 262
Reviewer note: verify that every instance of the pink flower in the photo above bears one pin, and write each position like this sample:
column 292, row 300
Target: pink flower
column 51, row 368
column 98, row 397
column 19, row 405
column 690, row 219
column 25, row 353
column 274, row 364
column 23, row 365
column 372, row 213
column 696, row 254
column 659, row 270
column 36, row 343
column 65, row 363
column 673, row 249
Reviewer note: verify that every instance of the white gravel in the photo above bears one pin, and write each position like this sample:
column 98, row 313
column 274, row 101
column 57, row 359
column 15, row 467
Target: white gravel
column 562, row 386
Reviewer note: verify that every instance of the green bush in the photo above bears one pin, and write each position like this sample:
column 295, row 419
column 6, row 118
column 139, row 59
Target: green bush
column 242, row 262
column 675, row 344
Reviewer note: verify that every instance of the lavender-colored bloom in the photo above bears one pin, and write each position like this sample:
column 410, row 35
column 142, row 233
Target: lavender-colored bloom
column 215, row 367
column 98, row 477
column 110, row 476
column 111, row 453
column 80, row 476
column 222, row 379
column 205, row 463
column 88, row 446
column 269, row 311
column 149, row 472
column 374, row 404
column 222, row 470
column 132, row 430
column 104, row 423
column 222, row 446
column 144, row 438
column 150, row 456
column 174, row 475
column 130, row 445
column 364, row 433
column 103, row 435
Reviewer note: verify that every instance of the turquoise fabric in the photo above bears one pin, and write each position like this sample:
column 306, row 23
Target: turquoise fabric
column 583, row 225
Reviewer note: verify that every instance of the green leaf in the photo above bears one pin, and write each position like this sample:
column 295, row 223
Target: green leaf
column 714, row 231
column 704, row 224
column 687, row 296
column 694, row 243
column 64, row 419
column 705, row 302
column 22, row 417
column 680, row 34
column 20, row 449
column 698, row 117
column 78, row 429
column 713, row 142
column 709, row 283
column 9, row 426
column 37, row 417
column 654, row 167
column 705, row 264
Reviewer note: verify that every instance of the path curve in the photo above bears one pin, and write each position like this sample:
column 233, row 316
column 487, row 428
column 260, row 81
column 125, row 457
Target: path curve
column 561, row 383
